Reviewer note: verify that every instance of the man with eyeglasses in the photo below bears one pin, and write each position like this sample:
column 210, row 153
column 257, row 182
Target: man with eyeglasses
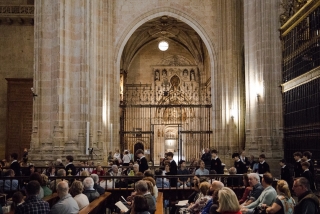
column 308, row 203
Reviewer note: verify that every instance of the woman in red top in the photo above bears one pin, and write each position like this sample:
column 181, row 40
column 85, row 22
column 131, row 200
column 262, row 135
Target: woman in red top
column 99, row 171
column 228, row 202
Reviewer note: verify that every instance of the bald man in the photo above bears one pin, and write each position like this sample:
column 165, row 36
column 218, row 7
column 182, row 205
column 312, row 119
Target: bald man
column 215, row 186
column 66, row 204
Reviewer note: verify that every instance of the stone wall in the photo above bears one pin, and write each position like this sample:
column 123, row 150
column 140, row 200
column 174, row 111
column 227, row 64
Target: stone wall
column 16, row 61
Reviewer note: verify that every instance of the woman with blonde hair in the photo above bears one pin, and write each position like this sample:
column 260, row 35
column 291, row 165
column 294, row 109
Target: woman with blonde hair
column 228, row 202
column 204, row 197
column 284, row 202
column 75, row 191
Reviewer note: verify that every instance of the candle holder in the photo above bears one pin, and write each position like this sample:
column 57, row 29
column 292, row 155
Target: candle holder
column 69, row 172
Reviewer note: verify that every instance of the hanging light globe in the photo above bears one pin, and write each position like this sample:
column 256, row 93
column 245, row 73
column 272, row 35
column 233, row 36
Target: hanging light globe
column 163, row 45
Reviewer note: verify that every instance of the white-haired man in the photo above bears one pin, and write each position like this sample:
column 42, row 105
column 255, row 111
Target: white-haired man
column 66, row 204
column 89, row 191
column 257, row 188
column 96, row 185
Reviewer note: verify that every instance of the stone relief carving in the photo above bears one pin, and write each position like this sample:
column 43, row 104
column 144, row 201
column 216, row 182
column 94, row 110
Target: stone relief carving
column 175, row 60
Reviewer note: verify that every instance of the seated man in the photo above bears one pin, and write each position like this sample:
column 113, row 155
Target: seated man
column 268, row 195
column 32, row 203
column 66, row 203
column 89, row 191
column 257, row 188
column 9, row 185
column 96, row 185
column 183, row 171
column 161, row 182
column 116, row 172
column 202, row 170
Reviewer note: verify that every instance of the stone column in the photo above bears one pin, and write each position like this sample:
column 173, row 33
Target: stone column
column 66, row 78
column 227, row 84
column 263, row 78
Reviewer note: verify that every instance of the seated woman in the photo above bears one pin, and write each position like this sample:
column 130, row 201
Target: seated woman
column 247, row 190
column 228, row 202
column 204, row 197
column 44, row 184
column 99, row 171
column 284, row 202
column 76, row 192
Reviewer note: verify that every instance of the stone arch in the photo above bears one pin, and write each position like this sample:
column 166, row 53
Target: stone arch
column 173, row 13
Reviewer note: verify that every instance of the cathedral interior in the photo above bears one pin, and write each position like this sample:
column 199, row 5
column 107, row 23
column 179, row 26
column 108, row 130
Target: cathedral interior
column 159, row 75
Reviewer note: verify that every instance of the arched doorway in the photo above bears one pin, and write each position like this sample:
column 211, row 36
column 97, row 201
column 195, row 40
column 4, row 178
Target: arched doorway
column 160, row 89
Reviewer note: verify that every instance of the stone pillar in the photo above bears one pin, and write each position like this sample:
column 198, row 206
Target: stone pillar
column 263, row 78
column 67, row 78
column 227, row 85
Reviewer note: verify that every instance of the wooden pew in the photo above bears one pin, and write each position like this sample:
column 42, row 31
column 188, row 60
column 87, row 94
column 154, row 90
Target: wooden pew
column 159, row 205
column 97, row 206
column 51, row 199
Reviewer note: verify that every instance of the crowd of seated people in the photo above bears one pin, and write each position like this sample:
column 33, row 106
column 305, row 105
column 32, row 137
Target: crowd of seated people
column 258, row 191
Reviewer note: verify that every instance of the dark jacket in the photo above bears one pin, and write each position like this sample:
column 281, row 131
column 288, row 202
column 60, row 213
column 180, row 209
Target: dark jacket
column 308, row 203
column 91, row 194
column 308, row 175
column 285, row 174
column 206, row 157
column 297, row 169
column 216, row 165
column 99, row 189
column 173, row 171
column 15, row 166
column 240, row 166
column 73, row 169
column 263, row 168
column 143, row 164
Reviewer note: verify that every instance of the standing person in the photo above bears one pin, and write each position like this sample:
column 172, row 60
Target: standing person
column 307, row 156
column 244, row 159
column 238, row 164
column 126, row 158
column 297, row 164
column 307, row 174
column 117, row 155
column 142, row 161
column 285, row 172
column 173, row 170
column 15, row 166
column 70, row 166
column 206, row 158
column 66, row 203
column 59, row 162
column 215, row 162
column 308, row 203
column 263, row 165
column 254, row 165
column 25, row 155
column 32, row 204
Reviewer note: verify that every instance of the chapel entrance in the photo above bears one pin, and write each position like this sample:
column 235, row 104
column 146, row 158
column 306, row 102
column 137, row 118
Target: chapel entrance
column 165, row 96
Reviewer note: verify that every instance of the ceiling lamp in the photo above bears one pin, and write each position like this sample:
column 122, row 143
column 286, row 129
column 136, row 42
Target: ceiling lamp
column 163, row 45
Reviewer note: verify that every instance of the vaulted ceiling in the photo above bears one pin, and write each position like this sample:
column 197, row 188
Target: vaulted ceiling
column 164, row 28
